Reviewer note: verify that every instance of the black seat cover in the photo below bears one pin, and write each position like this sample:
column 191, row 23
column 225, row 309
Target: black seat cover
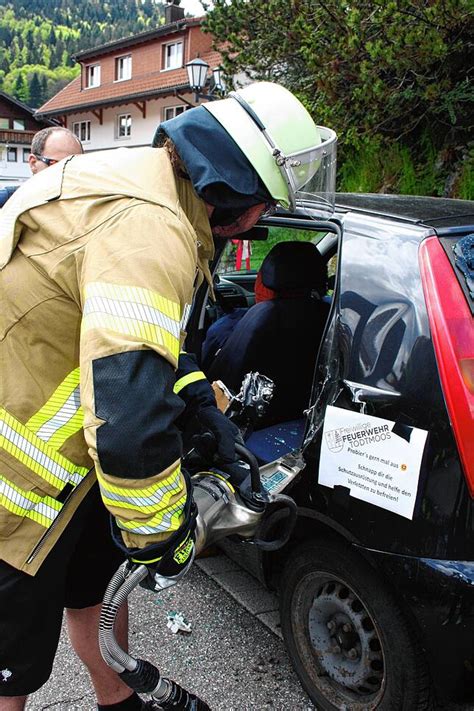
column 280, row 337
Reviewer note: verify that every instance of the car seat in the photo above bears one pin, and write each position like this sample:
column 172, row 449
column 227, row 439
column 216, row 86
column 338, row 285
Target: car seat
column 280, row 337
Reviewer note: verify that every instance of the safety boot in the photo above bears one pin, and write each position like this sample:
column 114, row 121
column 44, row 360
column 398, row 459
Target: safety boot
column 192, row 704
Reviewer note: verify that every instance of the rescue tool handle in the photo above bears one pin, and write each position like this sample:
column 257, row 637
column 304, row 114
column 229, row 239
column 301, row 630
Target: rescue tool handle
column 205, row 444
column 247, row 456
column 285, row 505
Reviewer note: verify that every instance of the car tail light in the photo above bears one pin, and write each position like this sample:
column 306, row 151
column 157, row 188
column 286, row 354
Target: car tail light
column 452, row 329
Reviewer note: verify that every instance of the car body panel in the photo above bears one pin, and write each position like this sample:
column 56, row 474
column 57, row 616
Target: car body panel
column 383, row 341
column 378, row 343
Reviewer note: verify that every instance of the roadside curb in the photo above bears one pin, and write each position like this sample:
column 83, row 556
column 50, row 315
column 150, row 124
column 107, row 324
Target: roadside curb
column 245, row 589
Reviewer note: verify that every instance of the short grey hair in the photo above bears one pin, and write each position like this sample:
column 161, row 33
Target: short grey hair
column 39, row 139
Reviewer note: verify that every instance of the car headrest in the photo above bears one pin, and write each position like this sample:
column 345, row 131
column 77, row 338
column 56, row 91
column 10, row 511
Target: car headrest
column 292, row 266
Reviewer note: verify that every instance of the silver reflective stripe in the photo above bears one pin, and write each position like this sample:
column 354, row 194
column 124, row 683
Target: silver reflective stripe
column 41, row 458
column 43, row 510
column 62, row 417
column 185, row 316
column 131, row 310
column 140, row 502
column 163, row 520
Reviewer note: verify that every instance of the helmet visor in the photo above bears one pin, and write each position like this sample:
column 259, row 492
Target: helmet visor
column 311, row 176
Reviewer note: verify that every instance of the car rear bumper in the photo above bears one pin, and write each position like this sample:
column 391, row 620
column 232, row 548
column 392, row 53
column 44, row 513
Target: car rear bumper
column 440, row 597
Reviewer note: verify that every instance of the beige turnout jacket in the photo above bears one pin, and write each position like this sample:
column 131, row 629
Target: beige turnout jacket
column 99, row 255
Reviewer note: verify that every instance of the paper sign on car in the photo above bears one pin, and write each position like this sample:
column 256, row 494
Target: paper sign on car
column 378, row 460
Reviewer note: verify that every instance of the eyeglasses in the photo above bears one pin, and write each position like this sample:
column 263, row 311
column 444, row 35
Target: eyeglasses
column 270, row 209
column 46, row 161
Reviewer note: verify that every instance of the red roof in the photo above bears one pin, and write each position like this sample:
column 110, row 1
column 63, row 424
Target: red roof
column 72, row 98
column 127, row 42
column 146, row 82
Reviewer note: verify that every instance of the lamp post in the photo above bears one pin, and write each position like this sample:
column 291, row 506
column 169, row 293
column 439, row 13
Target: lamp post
column 197, row 76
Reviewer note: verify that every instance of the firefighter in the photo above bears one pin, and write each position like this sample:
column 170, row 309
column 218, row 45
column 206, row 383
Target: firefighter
column 99, row 258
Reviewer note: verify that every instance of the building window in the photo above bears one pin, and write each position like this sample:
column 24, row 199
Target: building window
column 124, row 126
column 82, row 129
column 173, row 55
column 18, row 124
column 92, row 76
column 26, row 154
column 11, row 155
column 4, row 123
column 123, row 68
column 170, row 112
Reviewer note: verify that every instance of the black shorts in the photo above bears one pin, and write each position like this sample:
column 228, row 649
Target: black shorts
column 75, row 574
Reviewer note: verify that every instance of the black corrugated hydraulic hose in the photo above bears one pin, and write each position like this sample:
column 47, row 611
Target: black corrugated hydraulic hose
column 140, row 675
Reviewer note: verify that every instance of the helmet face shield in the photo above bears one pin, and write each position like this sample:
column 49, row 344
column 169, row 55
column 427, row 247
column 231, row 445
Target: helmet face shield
column 311, row 176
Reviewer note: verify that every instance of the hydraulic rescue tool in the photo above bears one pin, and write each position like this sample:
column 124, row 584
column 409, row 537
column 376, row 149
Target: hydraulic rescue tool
column 231, row 501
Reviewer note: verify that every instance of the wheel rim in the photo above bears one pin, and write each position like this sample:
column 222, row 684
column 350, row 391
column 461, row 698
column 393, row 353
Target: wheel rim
column 339, row 642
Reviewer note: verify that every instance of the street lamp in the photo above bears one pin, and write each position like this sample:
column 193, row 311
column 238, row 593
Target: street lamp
column 197, row 77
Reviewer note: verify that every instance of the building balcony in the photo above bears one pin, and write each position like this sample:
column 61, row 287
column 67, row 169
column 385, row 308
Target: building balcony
column 18, row 137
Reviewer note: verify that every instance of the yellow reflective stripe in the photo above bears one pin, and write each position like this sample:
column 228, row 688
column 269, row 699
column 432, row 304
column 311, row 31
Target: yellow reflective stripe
column 144, row 332
column 35, row 454
column 219, row 476
column 61, row 416
column 55, row 402
column 147, row 562
column 144, row 499
column 133, row 294
column 133, row 311
column 27, row 504
column 187, row 380
column 164, row 521
column 74, row 425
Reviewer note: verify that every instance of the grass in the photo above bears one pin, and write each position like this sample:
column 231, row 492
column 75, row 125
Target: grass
column 389, row 167
column 465, row 186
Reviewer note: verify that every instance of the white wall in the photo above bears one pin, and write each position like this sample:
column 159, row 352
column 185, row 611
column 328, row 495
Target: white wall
column 142, row 131
column 11, row 172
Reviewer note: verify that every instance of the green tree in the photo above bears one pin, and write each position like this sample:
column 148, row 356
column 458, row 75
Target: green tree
column 35, row 92
column 20, row 89
column 44, row 87
column 52, row 37
column 392, row 77
column 374, row 65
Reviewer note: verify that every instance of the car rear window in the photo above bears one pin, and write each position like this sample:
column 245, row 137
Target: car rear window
column 460, row 251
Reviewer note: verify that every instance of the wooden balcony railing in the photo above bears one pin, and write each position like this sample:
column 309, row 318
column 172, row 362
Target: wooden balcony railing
column 22, row 137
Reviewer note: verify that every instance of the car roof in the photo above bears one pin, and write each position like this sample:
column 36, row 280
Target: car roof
column 437, row 212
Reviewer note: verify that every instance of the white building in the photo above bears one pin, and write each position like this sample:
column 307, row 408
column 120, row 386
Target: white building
column 18, row 125
column 128, row 86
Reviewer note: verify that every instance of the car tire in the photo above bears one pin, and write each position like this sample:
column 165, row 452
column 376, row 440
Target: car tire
column 349, row 642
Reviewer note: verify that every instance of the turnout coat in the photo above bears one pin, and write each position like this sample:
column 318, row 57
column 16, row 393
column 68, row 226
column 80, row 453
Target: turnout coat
column 99, row 258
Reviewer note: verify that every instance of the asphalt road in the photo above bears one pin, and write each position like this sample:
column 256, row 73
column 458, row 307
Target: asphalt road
column 230, row 658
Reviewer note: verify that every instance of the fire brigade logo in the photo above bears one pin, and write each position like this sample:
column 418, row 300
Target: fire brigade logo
column 334, row 440
column 183, row 551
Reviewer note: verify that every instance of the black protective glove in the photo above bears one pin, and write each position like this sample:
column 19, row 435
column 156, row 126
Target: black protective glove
column 169, row 560
column 225, row 432
column 166, row 569
column 201, row 404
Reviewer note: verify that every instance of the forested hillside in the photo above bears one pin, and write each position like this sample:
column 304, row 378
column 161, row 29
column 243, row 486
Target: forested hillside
column 39, row 37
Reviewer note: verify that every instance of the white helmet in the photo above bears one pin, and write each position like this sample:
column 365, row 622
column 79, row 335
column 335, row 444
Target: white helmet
column 295, row 159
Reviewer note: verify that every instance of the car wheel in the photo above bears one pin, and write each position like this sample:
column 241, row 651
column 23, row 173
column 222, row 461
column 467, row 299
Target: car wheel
column 349, row 642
